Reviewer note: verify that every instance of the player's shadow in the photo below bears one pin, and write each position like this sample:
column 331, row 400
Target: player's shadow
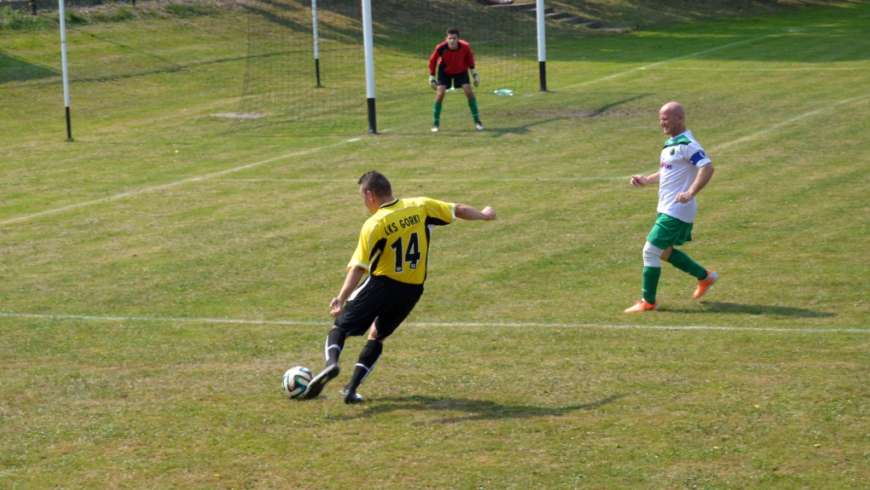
column 558, row 115
column 737, row 308
column 521, row 130
column 473, row 410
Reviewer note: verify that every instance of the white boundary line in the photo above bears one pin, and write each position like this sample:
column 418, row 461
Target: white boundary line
column 646, row 67
column 43, row 316
column 325, row 323
column 173, row 184
column 785, row 123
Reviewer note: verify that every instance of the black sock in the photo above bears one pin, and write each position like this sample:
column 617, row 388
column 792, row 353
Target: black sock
column 367, row 359
column 334, row 345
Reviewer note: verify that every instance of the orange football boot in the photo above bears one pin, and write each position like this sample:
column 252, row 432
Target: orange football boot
column 642, row 305
column 706, row 284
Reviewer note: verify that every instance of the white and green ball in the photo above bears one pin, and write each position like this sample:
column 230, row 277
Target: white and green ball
column 296, row 381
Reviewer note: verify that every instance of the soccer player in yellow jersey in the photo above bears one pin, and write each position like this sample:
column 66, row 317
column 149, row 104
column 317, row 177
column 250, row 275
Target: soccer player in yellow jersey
column 394, row 249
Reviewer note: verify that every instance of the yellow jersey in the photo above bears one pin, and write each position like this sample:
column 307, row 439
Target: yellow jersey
column 394, row 242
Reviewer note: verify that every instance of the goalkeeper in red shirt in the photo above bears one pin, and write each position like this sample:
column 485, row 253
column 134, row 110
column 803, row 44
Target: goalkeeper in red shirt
column 453, row 58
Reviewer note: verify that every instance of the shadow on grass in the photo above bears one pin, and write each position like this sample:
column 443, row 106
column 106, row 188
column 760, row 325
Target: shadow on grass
column 473, row 409
column 173, row 68
column 718, row 307
column 521, row 130
column 15, row 69
column 564, row 114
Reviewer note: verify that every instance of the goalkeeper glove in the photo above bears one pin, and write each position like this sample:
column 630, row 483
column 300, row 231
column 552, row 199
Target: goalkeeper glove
column 432, row 82
column 476, row 78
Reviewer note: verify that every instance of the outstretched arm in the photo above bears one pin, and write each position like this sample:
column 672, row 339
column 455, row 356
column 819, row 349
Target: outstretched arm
column 704, row 176
column 350, row 283
column 640, row 180
column 467, row 212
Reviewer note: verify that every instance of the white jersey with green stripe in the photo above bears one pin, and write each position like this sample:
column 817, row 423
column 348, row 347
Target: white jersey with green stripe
column 681, row 158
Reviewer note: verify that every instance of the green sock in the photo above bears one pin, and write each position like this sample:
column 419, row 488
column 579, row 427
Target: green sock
column 685, row 263
column 436, row 114
column 650, row 283
column 472, row 104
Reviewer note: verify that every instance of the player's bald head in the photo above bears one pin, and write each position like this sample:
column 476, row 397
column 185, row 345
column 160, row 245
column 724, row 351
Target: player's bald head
column 672, row 118
column 673, row 108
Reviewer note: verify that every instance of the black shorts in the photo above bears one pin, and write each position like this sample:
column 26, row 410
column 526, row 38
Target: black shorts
column 457, row 80
column 379, row 299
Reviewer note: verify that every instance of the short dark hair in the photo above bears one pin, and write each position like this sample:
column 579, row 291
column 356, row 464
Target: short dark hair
column 377, row 183
column 453, row 30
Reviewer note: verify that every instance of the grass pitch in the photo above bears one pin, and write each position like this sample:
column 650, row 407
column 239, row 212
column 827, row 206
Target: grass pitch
column 159, row 275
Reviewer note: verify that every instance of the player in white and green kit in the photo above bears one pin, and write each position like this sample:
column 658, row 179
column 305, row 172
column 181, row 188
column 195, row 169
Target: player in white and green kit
column 684, row 171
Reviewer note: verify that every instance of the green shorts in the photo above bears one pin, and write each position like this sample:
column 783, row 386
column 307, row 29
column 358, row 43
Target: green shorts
column 668, row 232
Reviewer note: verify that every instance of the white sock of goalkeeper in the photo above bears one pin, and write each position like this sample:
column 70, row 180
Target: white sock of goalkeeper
column 334, row 346
column 367, row 360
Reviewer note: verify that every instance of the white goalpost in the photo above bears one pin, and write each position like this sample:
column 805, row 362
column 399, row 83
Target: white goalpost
column 542, row 44
column 316, row 42
column 65, row 70
column 370, row 58
column 368, row 45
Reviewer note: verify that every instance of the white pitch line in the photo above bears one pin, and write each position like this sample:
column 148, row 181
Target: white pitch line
column 173, row 184
column 94, row 318
column 786, row 123
column 234, row 321
column 644, row 327
column 646, row 67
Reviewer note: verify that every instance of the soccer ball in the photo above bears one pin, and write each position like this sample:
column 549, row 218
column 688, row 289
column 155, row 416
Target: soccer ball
column 296, row 381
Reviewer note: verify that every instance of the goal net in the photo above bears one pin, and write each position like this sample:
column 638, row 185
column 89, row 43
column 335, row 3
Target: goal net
column 281, row 93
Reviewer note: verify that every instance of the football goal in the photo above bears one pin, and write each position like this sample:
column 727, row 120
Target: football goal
column 306, row 65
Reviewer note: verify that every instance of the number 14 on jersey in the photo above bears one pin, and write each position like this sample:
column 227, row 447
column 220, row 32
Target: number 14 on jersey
column 412, row 256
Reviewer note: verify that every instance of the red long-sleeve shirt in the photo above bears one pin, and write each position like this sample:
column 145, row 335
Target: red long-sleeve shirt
column 454, row 62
